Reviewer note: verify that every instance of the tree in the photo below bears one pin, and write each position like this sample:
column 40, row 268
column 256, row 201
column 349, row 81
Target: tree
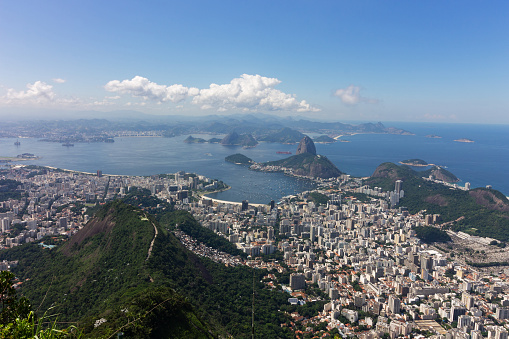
column 17, row 320
column 11, row 307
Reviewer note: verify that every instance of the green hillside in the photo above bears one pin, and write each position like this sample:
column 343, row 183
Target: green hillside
column 105, row 272
column 483, row 212
column 308, row 164
column 239, row 158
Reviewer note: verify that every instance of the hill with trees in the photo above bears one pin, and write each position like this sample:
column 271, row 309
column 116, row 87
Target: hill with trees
column 480, row 211
column 307, row 163
column 105, row 279
column 239, row 159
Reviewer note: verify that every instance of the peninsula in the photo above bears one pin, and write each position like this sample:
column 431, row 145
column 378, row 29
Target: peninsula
column 304, row 163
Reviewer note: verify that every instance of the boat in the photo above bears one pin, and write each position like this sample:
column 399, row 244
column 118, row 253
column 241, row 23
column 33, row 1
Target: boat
column 67, row 144
column 281, row 152
column 17, row 143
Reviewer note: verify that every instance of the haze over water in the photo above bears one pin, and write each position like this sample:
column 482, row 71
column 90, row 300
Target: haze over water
column 484, row 162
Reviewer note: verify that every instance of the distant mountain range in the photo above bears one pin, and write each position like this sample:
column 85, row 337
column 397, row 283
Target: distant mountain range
column 262, row 127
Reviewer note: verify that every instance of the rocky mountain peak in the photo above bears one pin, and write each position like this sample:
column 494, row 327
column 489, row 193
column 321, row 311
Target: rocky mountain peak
column 306, row 145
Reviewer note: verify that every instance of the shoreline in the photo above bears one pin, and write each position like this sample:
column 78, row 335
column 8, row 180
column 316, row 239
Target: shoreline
column 416, row 165
column 17, row 159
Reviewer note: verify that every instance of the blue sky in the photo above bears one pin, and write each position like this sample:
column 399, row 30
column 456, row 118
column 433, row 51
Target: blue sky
column 442, row 61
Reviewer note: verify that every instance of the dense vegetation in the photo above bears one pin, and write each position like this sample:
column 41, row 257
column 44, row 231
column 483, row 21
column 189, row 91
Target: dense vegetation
column 324, row 139
column 318, row 198
column 413, row 162
column 309, row 165
column 479, row 211
column 239, row 159
column 430, row 234
column 9, row 189
column 185, row 222
column 104, row 274
column 440, row 174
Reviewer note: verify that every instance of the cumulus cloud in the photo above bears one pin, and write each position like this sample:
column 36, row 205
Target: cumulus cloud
column 250, row 92
column 142, row 87
column 59, row 80
column 38, row 92
column 247, row 93
column 351, row 96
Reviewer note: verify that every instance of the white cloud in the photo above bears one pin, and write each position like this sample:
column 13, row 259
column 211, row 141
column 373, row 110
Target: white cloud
column 248, row 93
column 142, row 87
column 38, row 92
column 351, row 96
column 59, row 80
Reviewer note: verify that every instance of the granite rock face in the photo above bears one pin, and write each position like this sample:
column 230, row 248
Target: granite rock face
column 306, row 145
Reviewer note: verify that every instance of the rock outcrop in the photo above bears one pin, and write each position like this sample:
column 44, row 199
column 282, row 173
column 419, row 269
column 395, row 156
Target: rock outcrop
column 306, row 145
column 307, row 163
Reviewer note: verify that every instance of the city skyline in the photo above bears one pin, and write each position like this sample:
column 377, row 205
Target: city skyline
column 362, row 61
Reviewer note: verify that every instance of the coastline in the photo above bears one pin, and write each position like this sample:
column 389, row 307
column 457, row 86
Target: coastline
column 13, row 159
column 203, row 195
column 87, row 173
column 416, row 165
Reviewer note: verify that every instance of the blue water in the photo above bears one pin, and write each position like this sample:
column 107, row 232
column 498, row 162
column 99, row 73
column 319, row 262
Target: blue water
column 484, row 162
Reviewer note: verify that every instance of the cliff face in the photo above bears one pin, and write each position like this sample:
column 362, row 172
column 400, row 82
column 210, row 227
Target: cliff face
column 306, row 145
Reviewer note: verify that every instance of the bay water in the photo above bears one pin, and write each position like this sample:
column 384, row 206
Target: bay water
column 483, row 162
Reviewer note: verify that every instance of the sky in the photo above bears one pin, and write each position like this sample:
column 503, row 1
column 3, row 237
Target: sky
column 429, row 61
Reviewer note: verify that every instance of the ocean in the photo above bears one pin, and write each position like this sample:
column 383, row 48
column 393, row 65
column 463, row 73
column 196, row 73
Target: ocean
column 483, row 162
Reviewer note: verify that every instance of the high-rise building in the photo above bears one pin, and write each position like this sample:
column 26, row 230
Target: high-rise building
column 398, row 185
column 270, row 233
column 502, row 313
column 456, row 311
column 394, row 304
column 464, row 321
column 312, row 233
column 245, row 205
column 297, row 281
column 62, row 222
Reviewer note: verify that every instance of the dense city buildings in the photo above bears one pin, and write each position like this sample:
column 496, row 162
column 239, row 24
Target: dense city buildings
column 360, row 257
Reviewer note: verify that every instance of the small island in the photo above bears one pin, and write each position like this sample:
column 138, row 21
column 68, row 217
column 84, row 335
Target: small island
column 192, row 140
column 239, row 159
column 324, row 139
column 464, row 140
column 414, row 163
column 433, row 136
column 28, row 156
